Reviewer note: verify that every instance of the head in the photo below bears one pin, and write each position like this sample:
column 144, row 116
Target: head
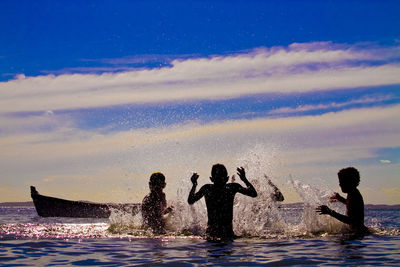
column 349, row 178
column 157, row 181
column 219, row 174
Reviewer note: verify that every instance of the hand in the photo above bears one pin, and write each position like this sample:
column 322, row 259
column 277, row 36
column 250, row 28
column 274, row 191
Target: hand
column 323, row 210
column 242, row 174
column 335, row 197
column 194, row 178
column 169, row 209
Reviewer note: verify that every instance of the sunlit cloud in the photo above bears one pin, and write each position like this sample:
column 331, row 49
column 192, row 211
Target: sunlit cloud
column 328, row 129
column 342, row 137
column 294, row 69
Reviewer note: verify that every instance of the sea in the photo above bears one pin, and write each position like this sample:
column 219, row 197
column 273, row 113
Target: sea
column 269, row 233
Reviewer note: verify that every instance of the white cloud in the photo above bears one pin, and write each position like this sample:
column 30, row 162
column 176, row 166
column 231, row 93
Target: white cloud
column 307, row 147
column 283, row 70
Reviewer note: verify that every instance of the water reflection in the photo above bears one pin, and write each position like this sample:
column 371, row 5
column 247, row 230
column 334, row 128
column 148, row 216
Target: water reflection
column 220, row 249
column 351, row 247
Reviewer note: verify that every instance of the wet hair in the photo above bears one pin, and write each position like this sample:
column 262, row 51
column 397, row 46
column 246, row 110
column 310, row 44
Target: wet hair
column 157, row 179
column 219, row 174
column 349, row 176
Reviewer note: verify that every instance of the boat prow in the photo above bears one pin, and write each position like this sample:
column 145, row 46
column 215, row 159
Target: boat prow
column 56, row 207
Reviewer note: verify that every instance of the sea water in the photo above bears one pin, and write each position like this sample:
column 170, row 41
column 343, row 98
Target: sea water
column 271, row 234
column 29, row 240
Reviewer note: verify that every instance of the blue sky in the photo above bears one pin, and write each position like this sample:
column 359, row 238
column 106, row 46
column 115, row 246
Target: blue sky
column 96, row 95
column 51, row 36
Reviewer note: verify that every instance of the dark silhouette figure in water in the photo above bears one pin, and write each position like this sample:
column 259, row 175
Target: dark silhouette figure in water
column 219, row 198
column 349, row 179
column 154, row 205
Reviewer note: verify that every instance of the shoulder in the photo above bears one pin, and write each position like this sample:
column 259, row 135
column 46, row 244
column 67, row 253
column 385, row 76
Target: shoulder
column 146, row 200
column 206, row 187
column 355, row 196
column 234, row 186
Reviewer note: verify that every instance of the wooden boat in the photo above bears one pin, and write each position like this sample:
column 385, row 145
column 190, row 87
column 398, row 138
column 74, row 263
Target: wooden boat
column 57, row 207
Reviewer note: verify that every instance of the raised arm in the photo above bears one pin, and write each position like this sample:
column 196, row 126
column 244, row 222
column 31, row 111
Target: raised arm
column 277, row 194
column 250, row 190
column 193, row 197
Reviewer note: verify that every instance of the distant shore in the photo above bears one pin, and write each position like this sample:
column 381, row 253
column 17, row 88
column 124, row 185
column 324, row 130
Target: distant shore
column 288, row 205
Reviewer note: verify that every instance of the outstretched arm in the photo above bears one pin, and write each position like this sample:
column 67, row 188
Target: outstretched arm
column 337, row 198
column 168, row 210
column 250, row 190
column 193, row 197
column 343, row 218
column 277, row 194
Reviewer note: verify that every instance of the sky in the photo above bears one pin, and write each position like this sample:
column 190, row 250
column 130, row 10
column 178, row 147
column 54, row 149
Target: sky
column 97, row 95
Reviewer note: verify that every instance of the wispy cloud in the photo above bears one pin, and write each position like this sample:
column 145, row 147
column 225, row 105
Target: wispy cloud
column 142, row 59
column 333, row 105
column 297, row 68
column 90, row 70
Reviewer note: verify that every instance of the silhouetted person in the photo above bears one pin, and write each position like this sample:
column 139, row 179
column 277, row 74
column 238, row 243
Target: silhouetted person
column 219, row 198
column 154, row 205
column 349, row 179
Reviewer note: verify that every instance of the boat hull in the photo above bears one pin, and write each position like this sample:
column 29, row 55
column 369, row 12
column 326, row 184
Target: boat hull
column 56, row 207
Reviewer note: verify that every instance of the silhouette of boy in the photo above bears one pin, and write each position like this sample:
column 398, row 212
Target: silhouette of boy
column 349, row 179
column 219, row 198
column 154, row 205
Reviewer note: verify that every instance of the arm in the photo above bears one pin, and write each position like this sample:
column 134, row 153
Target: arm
column 168, row 210
column 337, row 198
column 277, row 195
column 355, row 211
column 343, row 218
column 250, row 190
column 193, row 197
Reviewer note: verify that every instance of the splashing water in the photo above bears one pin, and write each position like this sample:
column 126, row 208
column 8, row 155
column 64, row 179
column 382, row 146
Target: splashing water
column 253, row 217
column 311, row 221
